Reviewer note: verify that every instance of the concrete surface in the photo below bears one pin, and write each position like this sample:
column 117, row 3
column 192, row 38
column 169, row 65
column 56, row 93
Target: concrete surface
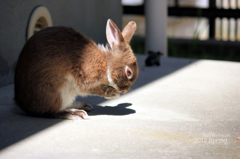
column 183, row 109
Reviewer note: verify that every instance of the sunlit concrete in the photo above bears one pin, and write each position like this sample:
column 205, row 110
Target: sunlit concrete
column 182, row 109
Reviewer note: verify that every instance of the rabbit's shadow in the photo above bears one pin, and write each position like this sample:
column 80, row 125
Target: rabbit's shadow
column 120, row 109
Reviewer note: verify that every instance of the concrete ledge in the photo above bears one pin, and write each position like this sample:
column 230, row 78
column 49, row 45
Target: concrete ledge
column 183, row 109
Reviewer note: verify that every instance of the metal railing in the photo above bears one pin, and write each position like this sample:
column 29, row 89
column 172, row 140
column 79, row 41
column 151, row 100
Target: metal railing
column 214, row 14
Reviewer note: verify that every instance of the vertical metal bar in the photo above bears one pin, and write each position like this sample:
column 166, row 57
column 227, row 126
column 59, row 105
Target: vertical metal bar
column 229, row 21
column 211, row 28
column 236, row 29
column 221, row 29
column 212, row 5
column 176, row 3
column 228, row 29
column 236, row 24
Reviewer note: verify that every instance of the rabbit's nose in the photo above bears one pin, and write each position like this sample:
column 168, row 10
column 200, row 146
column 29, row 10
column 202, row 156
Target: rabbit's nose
column 124, row 91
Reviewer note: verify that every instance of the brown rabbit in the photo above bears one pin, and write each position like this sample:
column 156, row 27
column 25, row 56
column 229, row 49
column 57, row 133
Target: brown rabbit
column 58, row 63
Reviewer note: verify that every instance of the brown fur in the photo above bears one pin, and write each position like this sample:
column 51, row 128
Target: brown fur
column 51, row 55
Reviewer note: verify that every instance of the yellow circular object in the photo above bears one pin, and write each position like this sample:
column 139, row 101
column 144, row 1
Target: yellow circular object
column 40, row 19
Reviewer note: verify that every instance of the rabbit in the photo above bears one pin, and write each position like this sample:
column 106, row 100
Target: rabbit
column 59, row 63
column 153, row 58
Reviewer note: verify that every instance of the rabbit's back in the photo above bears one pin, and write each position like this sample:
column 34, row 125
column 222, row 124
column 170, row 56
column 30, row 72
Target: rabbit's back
column 52, row 45
column 43, row 63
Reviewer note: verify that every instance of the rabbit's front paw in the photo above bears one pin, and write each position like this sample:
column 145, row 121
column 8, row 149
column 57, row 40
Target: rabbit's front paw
column 85, row 106
column 111, row 93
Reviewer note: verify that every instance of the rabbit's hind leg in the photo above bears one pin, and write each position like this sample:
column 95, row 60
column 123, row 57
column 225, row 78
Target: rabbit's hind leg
column 76, row 111
column 72, row 114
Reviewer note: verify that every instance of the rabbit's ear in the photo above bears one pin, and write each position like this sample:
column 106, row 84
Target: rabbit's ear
column 114, row 35
column 129, row 31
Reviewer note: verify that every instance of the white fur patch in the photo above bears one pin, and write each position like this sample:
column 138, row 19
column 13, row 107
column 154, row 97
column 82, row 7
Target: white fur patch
column 69, row 92
column 102, row 47
column 110, row 80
